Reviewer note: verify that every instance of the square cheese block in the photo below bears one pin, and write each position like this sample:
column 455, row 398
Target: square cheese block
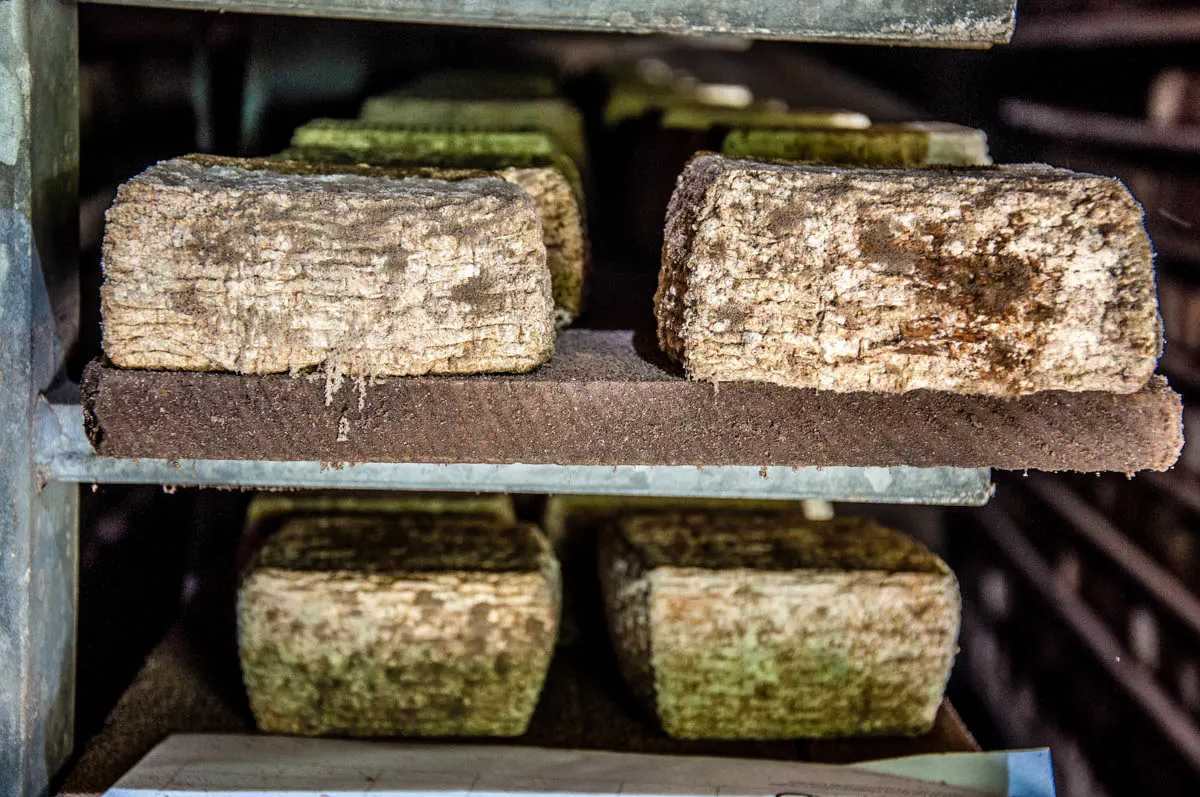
column 998, row 281
column 398, row 626
column 228, row 267
column 766, row 628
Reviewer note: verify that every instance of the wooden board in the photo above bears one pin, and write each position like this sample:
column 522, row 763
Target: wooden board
column 609, row 398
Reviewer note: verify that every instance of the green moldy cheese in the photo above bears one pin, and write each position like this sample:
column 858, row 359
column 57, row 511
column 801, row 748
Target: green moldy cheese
column 398, row 626
column 912, row 144
column 737, row 627
column 268, row 509
column 384, row 144
column 553, row 116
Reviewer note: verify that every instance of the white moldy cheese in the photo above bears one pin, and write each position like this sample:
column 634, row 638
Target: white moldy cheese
column 1001, row 281
column 219, row 268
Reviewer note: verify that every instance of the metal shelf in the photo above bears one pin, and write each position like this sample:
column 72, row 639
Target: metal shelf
column 1099, row 128
column 64, row 454
column 1110, row 28
column 940, row 23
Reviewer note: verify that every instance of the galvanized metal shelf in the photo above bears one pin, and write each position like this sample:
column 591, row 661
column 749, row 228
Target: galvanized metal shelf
column 941, row 23
column 1099, row 128
column 1110, row 28
column 64, row 454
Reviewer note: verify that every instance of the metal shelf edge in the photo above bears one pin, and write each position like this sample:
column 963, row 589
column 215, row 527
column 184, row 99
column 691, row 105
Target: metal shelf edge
column 974, row 24
column 64, row 454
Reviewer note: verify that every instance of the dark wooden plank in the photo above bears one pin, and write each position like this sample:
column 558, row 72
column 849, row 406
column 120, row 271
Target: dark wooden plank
column 608, row 398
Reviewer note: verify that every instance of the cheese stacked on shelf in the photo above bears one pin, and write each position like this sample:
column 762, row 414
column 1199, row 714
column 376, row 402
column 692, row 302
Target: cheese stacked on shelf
column 895, row 258
column 396, row 616
column 256, row 268
column 737, row 626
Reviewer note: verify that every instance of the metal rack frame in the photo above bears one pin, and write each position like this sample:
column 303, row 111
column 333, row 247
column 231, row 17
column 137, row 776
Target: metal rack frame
column 943, row 23
column 39, row 166
column 44, row 451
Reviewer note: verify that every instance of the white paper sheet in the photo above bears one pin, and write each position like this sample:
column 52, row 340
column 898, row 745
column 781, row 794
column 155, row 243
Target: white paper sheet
column 273, row 766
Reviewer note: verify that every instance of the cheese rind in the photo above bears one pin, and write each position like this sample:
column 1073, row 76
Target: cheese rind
column 394, row 145
column 219, row 267
column 774, row 628
column 1000, row 281
column 700, row 117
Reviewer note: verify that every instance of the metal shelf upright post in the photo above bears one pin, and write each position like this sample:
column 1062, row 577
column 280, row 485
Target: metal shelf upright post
column 39, row 164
